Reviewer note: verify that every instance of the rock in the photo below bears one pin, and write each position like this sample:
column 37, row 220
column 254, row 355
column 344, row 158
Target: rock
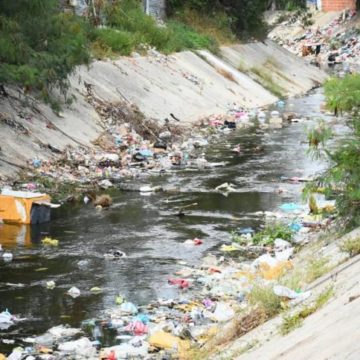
column 105, row 184
column 289, row 116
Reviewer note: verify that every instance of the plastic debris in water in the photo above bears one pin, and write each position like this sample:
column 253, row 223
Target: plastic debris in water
column 74, row 292
column 49, row 241
column 7, row 256
column 119, row 300
column 96, row 290
column 289, row 207
column 129, row 308
column 50, row 284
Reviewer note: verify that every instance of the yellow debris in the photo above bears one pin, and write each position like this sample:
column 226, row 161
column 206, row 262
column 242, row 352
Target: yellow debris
column 273, row 273
column 119, row 300
column 246, row 274
column 163, row 340
column 45, row 350
column 209, row 334
column 2, row 357
column 50, row 241
column 187, row 307
column 96, row 290
column 228, row 248
column 328, row 208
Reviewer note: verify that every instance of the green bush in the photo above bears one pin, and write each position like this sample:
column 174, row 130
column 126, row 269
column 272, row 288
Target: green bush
column 245, row 17
column 341, row 180
column 128, row 27
column 351, row 246
column 184, row 38
column 266, row 299
column 271, row 232
column 119, row 41
column 40, row 45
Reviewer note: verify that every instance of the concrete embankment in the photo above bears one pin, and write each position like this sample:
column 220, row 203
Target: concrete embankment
column 332, row 332
column 188, row 85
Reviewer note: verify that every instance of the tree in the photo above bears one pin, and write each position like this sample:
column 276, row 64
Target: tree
column 341, row 180
column 40, row 45
column 246, row 15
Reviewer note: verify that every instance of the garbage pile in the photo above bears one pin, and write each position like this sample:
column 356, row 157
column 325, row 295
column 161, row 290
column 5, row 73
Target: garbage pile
column 209, row 296
column 134, row 146
column 334, row 43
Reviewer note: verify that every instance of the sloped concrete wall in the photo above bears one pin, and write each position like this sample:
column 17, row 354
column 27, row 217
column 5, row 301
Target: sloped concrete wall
column 286, row 70
column 188, row 85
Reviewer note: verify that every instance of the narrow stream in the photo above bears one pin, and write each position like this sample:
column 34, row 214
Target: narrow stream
column 146, row 229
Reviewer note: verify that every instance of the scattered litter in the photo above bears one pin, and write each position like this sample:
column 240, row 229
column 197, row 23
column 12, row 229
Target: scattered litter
column 7, row 256
column 284, row 291
column 96, row 290
column 289, row 207
column 82, row 346
column 50, row 284
column 182, row 283
column 223, row 312
column 50, row 241
column 226, row 187
column 74, row 292
column 128, row 308
column 115, row 254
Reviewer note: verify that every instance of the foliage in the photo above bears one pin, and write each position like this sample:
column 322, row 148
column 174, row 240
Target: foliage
column 351, row 246
column 216, row 26
column 266, row 299
column 267, row 81
column 317, row 136
column 183, row 37
column 344, row 95
column 129, row 28
column 118, row 41
column 291, row 322
column 341, row 180
column 40, row 45
column 290, row 5
column 245, row 17
column 316, row 268
column 271, row 232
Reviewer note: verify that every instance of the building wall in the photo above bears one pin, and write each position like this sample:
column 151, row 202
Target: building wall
column 338, row 5
column 155, row 8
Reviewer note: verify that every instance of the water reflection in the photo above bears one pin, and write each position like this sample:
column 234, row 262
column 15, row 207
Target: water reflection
column 12, row 235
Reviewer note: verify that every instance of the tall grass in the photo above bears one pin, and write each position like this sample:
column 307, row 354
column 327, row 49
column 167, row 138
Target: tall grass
column 128, row 27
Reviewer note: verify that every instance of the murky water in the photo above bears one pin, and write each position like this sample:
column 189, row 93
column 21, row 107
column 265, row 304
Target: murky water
column 146, row 228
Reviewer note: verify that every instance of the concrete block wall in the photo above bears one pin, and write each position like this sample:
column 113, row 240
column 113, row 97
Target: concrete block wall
column 338, row 5
column 155, row 8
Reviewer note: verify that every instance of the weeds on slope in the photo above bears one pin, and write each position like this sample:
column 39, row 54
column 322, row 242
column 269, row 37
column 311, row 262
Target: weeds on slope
column 351, row 246
column 291, row 322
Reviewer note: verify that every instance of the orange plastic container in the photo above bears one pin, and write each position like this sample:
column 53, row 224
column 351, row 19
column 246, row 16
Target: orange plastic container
column 16, row 206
